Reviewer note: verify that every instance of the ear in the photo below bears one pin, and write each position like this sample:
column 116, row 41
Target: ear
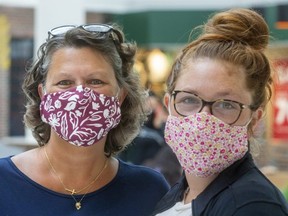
column 41, row 90
column 166, row 100
column 122, row 95
column 257, row 115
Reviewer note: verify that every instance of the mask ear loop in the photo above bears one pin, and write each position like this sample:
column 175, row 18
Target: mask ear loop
column 43, row 89
column 249, row 121
column 117, row 97
column 117, row 94
column 246, row 125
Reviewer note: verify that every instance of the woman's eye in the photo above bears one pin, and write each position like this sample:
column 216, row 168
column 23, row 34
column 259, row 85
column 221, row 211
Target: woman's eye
column 190, row 100
column 227, row 105
column 95, row 82
column 64, row 82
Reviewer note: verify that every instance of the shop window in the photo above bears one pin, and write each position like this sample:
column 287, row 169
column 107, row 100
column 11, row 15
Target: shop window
column 21, row 53
column 282, row 16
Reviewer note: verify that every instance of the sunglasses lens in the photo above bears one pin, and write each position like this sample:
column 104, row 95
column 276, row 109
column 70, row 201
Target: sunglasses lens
column 60, row 30
column 97, row 28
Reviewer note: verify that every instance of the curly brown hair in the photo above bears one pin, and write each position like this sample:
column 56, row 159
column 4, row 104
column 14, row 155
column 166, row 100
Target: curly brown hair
column 119, row 53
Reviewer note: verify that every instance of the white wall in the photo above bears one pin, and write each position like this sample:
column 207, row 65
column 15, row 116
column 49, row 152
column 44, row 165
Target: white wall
column 47, row 16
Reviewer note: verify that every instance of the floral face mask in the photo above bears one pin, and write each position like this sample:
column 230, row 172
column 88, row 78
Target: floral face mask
column 80, row 115
column 203, row 144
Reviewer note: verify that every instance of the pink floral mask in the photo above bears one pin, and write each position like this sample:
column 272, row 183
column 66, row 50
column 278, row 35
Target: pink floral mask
column 203, row 144
column 80, row 115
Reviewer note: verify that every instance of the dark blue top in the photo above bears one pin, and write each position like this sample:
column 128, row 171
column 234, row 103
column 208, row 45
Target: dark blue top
column 240, row 190
column 134, row 191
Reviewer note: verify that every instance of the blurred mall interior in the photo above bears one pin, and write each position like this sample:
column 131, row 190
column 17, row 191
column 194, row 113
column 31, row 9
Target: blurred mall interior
column 160, row 28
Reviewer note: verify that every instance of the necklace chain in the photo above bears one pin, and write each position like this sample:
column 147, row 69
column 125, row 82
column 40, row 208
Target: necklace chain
column 73, row 191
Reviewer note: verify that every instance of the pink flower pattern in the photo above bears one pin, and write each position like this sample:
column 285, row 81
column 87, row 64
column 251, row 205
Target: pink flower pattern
column 203, row 144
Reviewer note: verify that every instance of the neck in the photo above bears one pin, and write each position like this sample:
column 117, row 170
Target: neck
column 196, row 186
column 75, row 155
column 75, row 166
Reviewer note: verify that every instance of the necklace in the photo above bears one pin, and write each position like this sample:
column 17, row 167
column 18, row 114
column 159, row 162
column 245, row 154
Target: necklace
column 73, row 191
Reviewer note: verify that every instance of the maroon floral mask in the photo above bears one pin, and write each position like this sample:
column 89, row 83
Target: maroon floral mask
column 80, row 115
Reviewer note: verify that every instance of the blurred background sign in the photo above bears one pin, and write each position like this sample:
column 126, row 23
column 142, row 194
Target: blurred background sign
column 4, row 44
column 280, row 102
column 282, row 19
column 4, row 73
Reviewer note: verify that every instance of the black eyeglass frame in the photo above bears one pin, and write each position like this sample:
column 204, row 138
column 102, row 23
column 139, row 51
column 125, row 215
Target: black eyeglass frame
column 101, row 28
column 210, row 104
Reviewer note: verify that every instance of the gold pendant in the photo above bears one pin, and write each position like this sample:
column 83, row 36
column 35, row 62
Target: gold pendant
column 71, row 191
column 78, row 205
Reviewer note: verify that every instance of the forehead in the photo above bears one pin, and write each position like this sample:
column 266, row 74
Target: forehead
column 79, row 60
column 212, row 78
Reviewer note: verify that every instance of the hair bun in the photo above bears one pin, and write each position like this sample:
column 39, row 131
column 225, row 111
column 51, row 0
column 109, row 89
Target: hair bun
column 239, row 25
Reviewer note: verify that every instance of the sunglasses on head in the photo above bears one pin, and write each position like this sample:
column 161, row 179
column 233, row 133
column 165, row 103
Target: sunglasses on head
column 101, row 30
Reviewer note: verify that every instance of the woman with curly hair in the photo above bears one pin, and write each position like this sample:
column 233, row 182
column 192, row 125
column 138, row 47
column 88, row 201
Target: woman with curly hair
column 84, row 105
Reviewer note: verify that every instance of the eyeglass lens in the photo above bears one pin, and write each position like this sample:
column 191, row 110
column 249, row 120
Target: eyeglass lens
column 187, row 104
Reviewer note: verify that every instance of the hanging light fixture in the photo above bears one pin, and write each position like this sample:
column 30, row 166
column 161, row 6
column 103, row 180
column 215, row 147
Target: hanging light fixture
column 158, row 66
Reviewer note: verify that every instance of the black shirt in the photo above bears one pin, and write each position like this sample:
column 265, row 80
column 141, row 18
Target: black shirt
column 240, row 190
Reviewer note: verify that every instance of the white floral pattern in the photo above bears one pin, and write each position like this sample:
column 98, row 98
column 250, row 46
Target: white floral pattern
column 203, row 144
column 80, row 115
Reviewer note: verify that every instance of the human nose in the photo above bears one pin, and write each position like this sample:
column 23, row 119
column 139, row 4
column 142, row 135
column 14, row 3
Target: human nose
column 206, row 107
column 81, row 82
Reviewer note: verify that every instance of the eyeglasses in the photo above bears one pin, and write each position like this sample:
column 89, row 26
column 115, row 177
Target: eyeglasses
column 187, row 103
column 102, row 31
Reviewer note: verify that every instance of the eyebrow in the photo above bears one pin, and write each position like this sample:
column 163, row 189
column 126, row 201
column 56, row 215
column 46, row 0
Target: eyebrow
column 63, row 73
column 218, row 95
column 88, row 75
column 225, row 93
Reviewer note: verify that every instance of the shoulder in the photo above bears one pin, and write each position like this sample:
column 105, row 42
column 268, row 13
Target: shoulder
column 141, row 175
column 173, row 196
column 252, row 193
column 139, row 171
column 255, row 186
column 150, row 134
column 8, row 174
column 4, row 161
column 150, row 186
column 253, row 181
column 5, row 164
